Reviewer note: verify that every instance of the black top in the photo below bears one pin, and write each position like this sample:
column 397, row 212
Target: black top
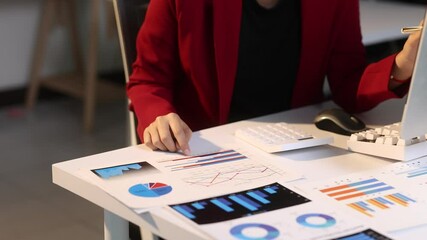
column 268, row 59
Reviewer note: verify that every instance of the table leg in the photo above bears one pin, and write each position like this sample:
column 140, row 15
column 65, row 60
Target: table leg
column 115, row 227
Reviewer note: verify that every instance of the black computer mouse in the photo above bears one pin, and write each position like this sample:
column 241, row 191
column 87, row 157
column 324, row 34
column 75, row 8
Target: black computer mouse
column 338, row 121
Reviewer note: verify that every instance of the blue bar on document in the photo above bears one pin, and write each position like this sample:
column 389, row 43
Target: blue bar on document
column 364, row 206
column 378, row 190
column 418, row 174
column 184, row 212
column 403, row 197
column 248, row 200
column 198, row 206
column 257, row 197
column 223, row 161
column 417, row 171
column 187, row 208
column 270, row 190
column 243, row 203
column 363, row 182
column 223, row 200
column 261, row 193
column 360, row 236
column 383, row 200
column 371, row 186
column 222, row 205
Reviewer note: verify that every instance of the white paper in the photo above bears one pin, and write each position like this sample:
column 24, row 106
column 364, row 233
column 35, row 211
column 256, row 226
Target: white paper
column 375, row 196
column 283, row 214
column 174, row 178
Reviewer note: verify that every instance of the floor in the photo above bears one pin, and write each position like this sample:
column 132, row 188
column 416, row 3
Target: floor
column 31, row 206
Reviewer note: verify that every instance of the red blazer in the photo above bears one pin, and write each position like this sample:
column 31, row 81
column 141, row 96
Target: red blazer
column 188, row 50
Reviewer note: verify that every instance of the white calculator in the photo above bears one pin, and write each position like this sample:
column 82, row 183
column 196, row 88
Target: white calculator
column 278, row 137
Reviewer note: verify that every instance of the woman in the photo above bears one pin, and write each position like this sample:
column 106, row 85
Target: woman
column 202, row 63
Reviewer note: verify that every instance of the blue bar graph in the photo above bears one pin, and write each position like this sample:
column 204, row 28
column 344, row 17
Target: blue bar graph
column 370, row 207
column 240, row 204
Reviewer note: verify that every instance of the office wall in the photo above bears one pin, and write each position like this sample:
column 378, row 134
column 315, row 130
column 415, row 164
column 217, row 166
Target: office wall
column 18, row 26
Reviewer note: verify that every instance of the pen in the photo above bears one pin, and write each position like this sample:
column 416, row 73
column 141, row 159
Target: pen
column 412, row 29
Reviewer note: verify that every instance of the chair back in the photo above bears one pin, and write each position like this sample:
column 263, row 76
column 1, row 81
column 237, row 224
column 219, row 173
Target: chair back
column 130, row 15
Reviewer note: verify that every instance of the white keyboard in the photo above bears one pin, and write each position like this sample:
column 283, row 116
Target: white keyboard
column 385, row 142
column 279, row 137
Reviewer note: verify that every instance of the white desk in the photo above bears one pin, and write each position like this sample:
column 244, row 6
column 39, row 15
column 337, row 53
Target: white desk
column 381, row 21
column 314, row 163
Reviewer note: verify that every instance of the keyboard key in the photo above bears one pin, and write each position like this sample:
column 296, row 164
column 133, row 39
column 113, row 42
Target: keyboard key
column 385, row 142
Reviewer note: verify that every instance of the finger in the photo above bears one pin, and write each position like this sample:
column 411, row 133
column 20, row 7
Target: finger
column 147, row 140
column 155, row 138
column 165, row 134
column 182, row 134
column 188, row 134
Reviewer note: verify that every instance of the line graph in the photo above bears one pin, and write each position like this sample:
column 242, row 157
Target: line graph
column 237, row 174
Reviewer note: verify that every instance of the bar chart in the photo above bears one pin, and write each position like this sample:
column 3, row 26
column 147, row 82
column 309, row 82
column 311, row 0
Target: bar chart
column 371, row 206
column 126, row 169
column 415, row 173
column 204, row 160
column 240, row 204
column 356, row 189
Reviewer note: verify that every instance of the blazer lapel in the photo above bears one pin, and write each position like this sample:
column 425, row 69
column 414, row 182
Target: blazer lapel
column 227, row 17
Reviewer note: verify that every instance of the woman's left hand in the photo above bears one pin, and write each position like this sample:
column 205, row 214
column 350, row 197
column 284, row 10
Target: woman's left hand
column 405, row 60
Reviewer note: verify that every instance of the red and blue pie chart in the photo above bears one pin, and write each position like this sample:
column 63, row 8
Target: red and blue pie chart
column 150, row 190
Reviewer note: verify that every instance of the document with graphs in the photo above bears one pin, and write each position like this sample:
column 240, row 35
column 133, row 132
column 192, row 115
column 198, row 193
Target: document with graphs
column 168, row 178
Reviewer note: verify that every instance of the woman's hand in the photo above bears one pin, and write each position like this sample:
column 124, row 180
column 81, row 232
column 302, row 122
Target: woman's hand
column 168, row 133
column 405, row 60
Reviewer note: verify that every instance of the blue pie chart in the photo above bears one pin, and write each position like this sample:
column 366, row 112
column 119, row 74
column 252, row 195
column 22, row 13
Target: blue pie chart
column 322, row 220
column 241, row 231
column 150, row 190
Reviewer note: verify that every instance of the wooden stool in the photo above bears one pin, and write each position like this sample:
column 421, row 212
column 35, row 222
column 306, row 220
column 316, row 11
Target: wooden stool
column 82, row 82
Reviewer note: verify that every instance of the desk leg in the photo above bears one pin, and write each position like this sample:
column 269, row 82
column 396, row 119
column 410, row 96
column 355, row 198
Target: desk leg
column 115, row 227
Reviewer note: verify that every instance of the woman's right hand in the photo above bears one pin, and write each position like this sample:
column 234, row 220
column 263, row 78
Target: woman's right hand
column 168, row 133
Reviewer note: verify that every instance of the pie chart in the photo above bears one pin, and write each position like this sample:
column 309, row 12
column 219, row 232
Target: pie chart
column 316, row 220
column 150, row 190
column 254, row 231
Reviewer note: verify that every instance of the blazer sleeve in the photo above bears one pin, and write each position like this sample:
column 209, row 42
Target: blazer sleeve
column 355, row 85
column 156, row 68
